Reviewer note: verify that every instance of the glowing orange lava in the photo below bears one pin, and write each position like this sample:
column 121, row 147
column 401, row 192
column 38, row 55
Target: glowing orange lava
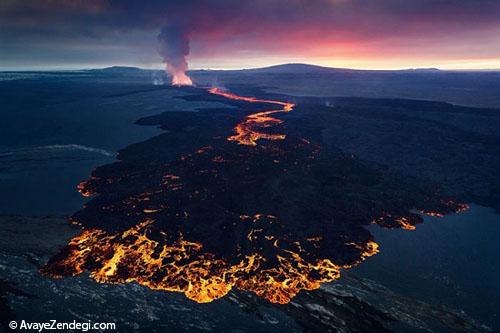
column 184, row 266
column 192, row 226
column 83, row 190
column 247, row 132
column 181, row 79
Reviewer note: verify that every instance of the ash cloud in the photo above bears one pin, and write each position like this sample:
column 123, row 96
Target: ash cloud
column 174, row 48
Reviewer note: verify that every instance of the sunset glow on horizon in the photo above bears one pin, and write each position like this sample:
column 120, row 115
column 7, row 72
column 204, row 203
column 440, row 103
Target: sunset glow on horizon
column 388, row 34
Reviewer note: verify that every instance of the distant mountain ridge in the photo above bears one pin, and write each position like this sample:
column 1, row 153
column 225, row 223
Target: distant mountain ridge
column 301, row 68
column 291, row 68
column 117, row 69
column 297, row 68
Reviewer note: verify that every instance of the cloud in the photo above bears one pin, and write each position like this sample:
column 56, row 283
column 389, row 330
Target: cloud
column 224, row 27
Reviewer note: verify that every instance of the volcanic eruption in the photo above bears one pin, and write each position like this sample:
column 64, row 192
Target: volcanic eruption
column 174, row 48
column 266, row 211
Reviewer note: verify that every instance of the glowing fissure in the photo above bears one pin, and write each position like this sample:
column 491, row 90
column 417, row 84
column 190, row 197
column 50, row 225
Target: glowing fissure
column 247, row 132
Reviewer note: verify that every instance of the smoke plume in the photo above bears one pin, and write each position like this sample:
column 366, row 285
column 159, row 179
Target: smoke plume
column 174, row 48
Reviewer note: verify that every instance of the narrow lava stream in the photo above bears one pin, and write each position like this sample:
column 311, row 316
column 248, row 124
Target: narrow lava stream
column 247, row 132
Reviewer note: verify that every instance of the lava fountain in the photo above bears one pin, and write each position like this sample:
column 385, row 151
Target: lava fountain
column 179, row 77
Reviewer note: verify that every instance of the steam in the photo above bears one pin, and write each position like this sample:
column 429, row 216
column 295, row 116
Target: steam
column 174, row 48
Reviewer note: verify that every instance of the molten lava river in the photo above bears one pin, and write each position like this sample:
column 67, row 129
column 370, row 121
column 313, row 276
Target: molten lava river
column 255, row 206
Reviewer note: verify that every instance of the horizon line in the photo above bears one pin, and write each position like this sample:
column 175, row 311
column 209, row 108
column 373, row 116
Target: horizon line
column 104, row 66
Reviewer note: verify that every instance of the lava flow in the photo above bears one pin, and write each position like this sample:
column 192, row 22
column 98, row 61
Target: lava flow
column 272, row 219
column 247, row 132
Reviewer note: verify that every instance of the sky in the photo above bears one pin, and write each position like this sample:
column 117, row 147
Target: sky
column 228, row 34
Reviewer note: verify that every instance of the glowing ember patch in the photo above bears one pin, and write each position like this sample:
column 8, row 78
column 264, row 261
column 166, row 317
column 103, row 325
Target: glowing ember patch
column 431, row 213
column 149, row 211
column 83, row 190
column 403, row 222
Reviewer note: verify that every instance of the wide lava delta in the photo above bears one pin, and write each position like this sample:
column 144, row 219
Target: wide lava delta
column 234, row 198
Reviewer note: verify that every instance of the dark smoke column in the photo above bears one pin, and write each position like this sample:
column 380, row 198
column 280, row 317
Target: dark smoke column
column 174, row 48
